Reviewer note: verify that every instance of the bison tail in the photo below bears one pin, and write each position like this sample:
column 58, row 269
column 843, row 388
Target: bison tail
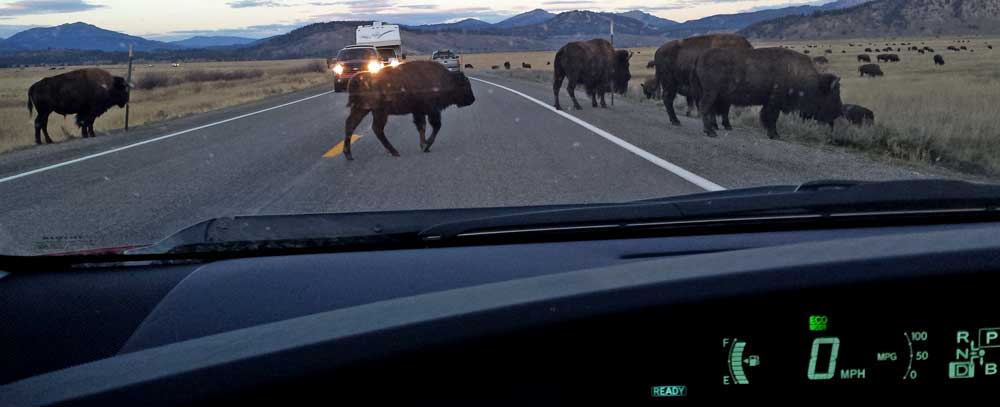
column 558, row 70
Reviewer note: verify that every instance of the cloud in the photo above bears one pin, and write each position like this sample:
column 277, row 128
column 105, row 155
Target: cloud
column 418, row 17
column 255, row 3
column 253, row 31
column 9, row 30
column 35, row 7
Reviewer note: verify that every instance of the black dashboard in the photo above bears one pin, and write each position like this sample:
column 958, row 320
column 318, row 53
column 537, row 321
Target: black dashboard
column 856, row 314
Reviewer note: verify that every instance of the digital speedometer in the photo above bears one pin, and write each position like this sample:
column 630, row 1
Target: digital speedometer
column 822, row 354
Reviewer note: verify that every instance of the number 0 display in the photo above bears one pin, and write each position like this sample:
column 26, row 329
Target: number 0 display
column 831, row 366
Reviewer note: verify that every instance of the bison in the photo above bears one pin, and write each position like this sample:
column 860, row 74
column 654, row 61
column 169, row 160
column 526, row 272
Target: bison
column 420, row 88
column 651, row 65
column 872, row 70
column 651, row 88
column 821, row 60
column 594, row 64
column 496, row 67
column 506, row 65
column 675, row 63
column 868, row 50
column 858, row 115
column 864, row 58
column 88, row 93
column 777, row 79
column 829, row 51
column 525, row 65
column 938, row 60
column 468, row 66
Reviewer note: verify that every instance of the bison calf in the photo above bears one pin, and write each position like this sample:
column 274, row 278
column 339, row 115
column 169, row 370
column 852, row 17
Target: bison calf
column 420, row 88
column 858, row 115
column 88, row 93
column 872, row 70
column 651, row 88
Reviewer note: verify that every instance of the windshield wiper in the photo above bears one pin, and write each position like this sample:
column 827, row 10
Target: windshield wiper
column 814, row 200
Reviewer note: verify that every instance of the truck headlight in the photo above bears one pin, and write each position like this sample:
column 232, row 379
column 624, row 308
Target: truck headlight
column 374, row 66
column 338, row 69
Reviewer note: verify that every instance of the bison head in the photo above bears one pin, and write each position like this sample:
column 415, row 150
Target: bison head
column 461, row 93
column 824, row 104
column 119, row 92
column 621, row 72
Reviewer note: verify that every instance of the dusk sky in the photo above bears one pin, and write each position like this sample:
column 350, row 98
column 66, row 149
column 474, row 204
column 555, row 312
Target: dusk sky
column 176, row 19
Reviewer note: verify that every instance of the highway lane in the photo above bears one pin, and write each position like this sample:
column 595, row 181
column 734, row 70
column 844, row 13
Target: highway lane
column 502, row 151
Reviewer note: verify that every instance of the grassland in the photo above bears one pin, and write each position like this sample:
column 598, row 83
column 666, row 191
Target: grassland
column 947, row 115
column 162, row 92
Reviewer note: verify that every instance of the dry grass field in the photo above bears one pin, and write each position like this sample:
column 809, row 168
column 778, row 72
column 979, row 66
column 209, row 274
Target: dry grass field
column 943, row 115
column 162, row 92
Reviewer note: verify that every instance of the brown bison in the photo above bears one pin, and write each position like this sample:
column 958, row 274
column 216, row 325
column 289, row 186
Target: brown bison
column 420, row 88
column 651, row 88
column 506, row 65
column 675, row 63
column 594, row 64
column 858, row 115
column 938, row 60
column 872, row 70
column 777, row 79
column 88, row 93
column 864, row 58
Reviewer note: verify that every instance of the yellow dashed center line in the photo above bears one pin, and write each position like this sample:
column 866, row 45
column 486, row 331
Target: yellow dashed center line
column 339, row 147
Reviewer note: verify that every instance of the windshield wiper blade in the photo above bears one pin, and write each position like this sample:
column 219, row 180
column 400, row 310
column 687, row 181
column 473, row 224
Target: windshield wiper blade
column 811, row 200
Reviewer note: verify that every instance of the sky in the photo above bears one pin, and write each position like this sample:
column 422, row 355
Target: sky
column 177, row 19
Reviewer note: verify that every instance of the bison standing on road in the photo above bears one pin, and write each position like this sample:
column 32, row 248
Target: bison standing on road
column 420, row 88
column 864, row 58
column 651, row 88
column 938, row 60
column 872, row 70
column 858, row 115
column 675, row 63
column 780, row 80
column 594, row 64
column 88, row 93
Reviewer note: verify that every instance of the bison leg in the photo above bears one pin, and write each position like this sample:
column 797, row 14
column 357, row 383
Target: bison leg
column 603, row 103
column 668, row 101
column 420, row 120
column 692, row 103
column 706, row 107
column 42, row 126
column 724, row 113
column 435, row 119
column 571, row 89
column 769, row 118
column 379, row 119
column 556, row 85
column 352, row 122
column 593, row 99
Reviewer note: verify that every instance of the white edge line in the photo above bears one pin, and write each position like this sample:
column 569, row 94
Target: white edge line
column 153, row 140
column 659, row 162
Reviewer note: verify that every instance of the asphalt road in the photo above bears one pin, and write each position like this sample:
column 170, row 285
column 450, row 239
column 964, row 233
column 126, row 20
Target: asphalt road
column 279, row 156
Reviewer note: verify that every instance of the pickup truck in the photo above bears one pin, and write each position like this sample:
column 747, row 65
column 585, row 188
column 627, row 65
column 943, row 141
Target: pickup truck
column 449, row 59
column 353, row 60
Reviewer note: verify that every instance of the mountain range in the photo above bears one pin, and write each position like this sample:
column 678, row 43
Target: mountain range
column 881, row 18
column 82, row 36
column 213, row 41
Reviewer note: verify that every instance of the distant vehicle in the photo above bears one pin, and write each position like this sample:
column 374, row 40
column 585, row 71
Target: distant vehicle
column 386, row 40
column 175, row 65
column 449, row 59
column 352, row 60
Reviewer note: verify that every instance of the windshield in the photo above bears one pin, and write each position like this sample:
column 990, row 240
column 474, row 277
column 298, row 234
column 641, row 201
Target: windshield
column 386, row 53
column 122, row 123
column 356, row 53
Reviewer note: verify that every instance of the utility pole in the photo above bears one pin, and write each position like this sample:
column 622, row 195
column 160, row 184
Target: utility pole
column 612, row 47
column 128, row 85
